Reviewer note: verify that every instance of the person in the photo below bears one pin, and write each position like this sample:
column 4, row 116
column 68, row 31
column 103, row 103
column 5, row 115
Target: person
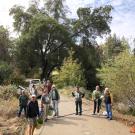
column 78, row 100
column 55, row 97
column 33, row 90
column 45, row 101
column 23, row 100
column 32, row 113
column 97, row 100
column 49, row 86
column 108, row 103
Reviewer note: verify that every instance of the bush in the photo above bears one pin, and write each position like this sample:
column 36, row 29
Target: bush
column 17, row 79
column 8, row 92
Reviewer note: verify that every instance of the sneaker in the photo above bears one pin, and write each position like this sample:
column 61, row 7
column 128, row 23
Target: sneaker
column 110, row 118
column 80, row 113
column 93, row 114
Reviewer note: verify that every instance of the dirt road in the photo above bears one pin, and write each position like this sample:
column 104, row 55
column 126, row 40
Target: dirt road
column 70, row 124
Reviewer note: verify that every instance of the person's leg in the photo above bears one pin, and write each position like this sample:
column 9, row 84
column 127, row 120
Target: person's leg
column 25, row 112
column 110, row 111
column 106, row 105
column 20, row 110
column 45, row 112
column 33, row 126
column 95, row 106
column 98, row 105
column 80, row 107
column 76, row 104
column 53, row 104
column 57, row 109
column 30, row 129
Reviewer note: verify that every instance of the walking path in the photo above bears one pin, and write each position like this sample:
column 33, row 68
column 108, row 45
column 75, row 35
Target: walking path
column 70, row 124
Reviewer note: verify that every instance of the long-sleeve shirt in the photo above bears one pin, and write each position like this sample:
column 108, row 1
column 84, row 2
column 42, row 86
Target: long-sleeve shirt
column 23, row 100
column 78, row 95
column 32, row 109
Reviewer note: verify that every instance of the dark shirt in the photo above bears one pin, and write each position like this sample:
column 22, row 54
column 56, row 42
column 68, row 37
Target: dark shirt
column 32, row 109
column 23, row 100
column 54, row 95
column 107, row 99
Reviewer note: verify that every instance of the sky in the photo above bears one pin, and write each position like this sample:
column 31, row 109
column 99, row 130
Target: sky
column 123, row 23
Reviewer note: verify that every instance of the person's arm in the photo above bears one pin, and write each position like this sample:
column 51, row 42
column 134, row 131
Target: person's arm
column 83, row 94
column 28, row 110
column 73, row 94
column 37, row 108
column 20, row 101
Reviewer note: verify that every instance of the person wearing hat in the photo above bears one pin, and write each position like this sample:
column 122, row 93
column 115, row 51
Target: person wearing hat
column 78, row 100
column 32, row 113
column 55, row 97
column 23, row 100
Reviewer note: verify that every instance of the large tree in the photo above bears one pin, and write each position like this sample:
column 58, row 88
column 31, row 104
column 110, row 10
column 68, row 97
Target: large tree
column 46, row 36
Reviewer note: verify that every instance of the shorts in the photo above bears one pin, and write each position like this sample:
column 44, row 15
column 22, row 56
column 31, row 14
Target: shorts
column 32, row 121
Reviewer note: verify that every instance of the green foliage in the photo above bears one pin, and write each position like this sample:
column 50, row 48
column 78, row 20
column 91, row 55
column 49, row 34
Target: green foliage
column 113, row 46
column 17, row 79
column 71, row 73
column 119, row 76
column 5, row 72
column 4, row 44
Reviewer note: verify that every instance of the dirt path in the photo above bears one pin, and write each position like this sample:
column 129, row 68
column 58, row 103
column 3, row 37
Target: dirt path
column 70, row 124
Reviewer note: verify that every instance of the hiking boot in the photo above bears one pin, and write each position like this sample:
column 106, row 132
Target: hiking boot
column 76, row 113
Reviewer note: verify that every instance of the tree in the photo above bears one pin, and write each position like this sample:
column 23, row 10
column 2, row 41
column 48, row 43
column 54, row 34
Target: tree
column 71, row 73
column 56, row 9
column 113, row 46
column 4, row 44
column 43, row 33
column 119, row 76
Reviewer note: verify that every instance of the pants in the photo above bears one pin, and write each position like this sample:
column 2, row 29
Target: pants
column 97, row 105
column 78, row 106
column 55, row 107
column 109, row 110
column 46, row 107
column 20, row 110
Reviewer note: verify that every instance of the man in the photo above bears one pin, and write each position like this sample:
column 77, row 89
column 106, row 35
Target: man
column 23, row 100
column 55, row 100
column 97, row 100
column 32, row 113
column 78, row 100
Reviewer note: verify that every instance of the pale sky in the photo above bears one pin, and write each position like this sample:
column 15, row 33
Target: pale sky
column 123, row 23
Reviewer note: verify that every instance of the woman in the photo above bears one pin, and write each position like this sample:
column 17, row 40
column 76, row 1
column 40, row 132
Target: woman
column 108, row 103
column 45, row 101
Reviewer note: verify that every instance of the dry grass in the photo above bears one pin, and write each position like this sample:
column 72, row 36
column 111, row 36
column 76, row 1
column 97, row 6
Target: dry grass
column 9, row 123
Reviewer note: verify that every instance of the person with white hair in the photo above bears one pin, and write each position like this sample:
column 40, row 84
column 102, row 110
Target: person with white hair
column 32, row 114
column 55, row 96
column 108, row 103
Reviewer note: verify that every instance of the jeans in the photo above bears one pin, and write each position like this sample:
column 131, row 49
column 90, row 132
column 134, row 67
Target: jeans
column 78, row 106
column 20, row 110
column 46, row 106
column 55, row 107
column 97, row 105
column 109, row 110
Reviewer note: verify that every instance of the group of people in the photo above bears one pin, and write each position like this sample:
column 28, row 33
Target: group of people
column 50, row 99
column 97, row 97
